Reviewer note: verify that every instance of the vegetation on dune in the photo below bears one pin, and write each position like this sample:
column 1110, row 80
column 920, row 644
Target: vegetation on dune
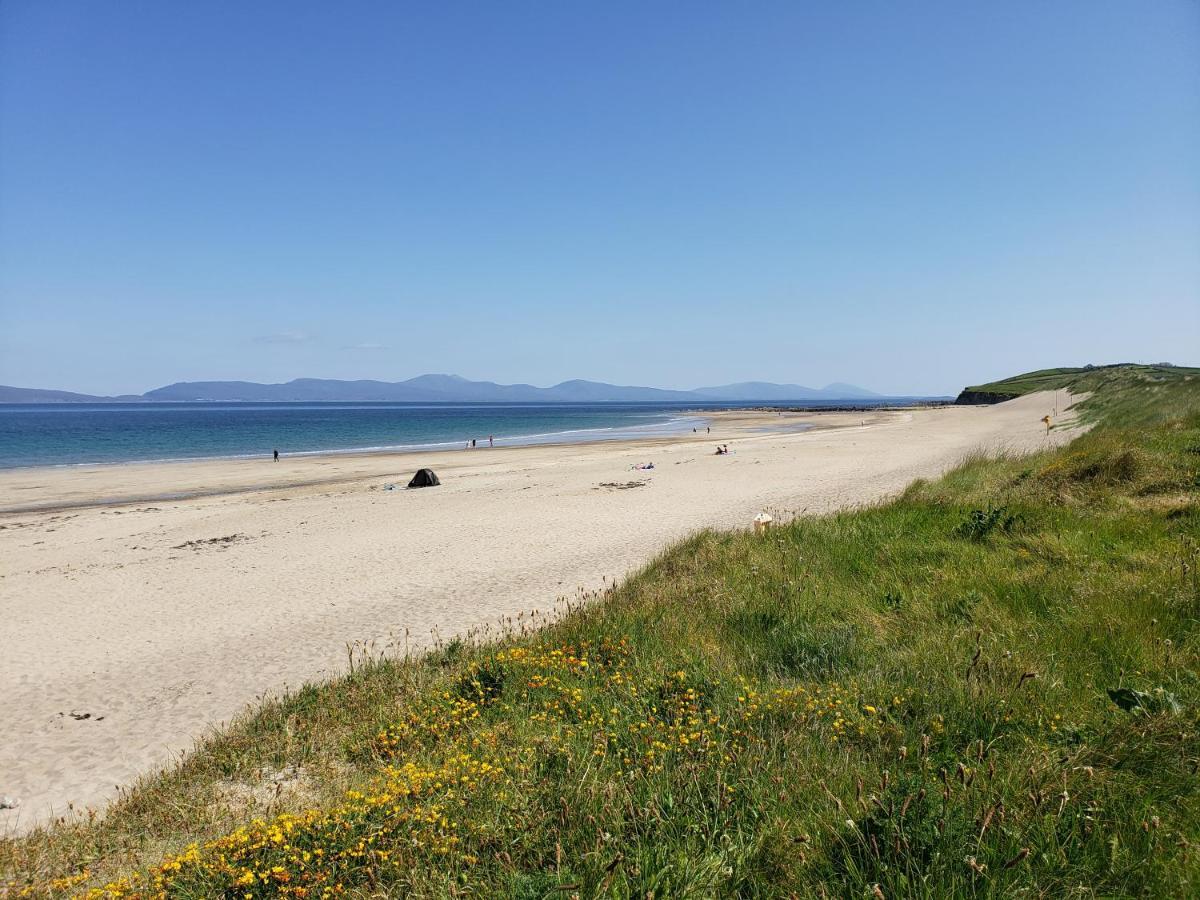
column 987, row 687
column 1128, row 393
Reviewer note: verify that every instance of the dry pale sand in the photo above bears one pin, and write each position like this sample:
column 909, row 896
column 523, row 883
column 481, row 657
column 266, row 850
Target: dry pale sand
column 132, row 624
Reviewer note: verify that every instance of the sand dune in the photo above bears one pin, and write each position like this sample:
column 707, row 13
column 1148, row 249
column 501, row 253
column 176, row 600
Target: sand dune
column 132, row 622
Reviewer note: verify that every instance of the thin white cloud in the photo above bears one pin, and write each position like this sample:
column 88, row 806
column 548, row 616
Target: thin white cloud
column 284, row 337
column 365, row 346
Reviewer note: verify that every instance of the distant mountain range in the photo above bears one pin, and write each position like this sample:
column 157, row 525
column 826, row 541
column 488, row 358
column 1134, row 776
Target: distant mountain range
column 449, row 389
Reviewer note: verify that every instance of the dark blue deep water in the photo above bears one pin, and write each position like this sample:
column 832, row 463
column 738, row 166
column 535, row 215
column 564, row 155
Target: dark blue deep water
column 74, row 434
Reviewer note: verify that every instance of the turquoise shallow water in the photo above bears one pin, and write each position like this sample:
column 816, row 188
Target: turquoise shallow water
column 75, row 434
column 59, row 434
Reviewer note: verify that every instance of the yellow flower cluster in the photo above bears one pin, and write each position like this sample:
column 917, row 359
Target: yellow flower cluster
column 411, row 811
column 57, row 885
column 486, row 740
column 443, row 716
column 834, row 707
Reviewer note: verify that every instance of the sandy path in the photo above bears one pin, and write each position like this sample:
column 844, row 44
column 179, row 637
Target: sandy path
column 123, row 641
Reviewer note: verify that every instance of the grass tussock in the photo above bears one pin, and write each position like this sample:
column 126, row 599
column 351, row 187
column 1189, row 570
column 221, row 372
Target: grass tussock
column 987, row 687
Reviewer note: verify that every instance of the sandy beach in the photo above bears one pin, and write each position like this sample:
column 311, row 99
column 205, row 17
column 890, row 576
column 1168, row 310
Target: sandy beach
column 143, row 604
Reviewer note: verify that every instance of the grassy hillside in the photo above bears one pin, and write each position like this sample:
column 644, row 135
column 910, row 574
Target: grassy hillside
column 987, row 687
column 1127, row 392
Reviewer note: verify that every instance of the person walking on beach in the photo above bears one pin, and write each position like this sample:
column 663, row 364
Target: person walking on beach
column 276, row 456
column 491, row 440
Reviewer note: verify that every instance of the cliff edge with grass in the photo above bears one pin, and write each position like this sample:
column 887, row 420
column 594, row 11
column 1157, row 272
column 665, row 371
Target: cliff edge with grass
column 1132, row 385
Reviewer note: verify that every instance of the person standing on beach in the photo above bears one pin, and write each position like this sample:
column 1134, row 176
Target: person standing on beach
column 276, row 456
column 491, row 440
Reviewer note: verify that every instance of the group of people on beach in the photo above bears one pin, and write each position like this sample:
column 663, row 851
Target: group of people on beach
column 721, row 449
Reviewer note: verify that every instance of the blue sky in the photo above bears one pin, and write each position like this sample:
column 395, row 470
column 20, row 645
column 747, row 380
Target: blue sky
column 907, row 196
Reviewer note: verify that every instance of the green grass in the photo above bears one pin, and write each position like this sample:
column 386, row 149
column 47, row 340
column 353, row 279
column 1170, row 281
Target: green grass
column 1128, row 393
column 987, row 687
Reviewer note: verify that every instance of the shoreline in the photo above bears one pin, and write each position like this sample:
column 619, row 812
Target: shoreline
column 133, row 629
column 681, row 418
column 618, row 433
column 11, row 478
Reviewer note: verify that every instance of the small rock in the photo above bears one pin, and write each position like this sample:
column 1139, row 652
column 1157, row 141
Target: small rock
column 9, row 802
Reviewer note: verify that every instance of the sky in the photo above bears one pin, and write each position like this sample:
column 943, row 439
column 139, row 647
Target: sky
column 909, row 197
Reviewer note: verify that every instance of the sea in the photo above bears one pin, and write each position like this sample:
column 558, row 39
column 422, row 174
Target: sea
column 74, row 434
